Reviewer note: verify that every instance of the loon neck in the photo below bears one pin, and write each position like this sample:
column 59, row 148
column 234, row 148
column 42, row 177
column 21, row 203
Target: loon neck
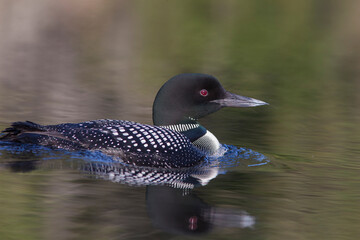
column 197, row 134
column 188, row 127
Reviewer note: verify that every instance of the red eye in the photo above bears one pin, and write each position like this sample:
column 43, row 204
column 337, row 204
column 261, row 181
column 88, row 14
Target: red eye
column 204, row 92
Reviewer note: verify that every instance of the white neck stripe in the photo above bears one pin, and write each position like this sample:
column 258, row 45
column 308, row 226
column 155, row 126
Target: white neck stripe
column 181, row 127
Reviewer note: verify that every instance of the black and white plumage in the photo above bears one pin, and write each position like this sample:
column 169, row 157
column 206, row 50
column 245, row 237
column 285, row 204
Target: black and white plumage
column 176, row 140
column 135, row 143
column 185, row 178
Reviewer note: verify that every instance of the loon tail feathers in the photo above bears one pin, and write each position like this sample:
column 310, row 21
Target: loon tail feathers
column 18, row 128
column 24, row 132
column 28, row 125
column 33, row 133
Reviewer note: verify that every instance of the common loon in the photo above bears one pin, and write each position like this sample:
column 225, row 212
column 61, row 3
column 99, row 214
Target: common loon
column 175, row 140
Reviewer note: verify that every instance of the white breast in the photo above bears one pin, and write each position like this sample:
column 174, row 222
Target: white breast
column 208, row 143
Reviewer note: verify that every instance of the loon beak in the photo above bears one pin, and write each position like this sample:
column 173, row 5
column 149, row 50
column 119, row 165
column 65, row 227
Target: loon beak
column 234, row 100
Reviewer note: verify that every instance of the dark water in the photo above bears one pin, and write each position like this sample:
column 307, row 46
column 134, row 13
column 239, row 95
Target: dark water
column 70, row 61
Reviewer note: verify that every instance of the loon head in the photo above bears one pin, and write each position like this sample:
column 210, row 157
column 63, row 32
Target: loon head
column 190, row 96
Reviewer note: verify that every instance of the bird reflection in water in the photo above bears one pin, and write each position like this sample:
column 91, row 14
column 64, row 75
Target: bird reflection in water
column 171, row 202
column 175, row 212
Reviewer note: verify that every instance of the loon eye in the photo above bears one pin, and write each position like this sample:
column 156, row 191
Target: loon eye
column 204, row 92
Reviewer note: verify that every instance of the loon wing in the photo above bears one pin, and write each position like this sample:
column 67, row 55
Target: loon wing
column 134, row 143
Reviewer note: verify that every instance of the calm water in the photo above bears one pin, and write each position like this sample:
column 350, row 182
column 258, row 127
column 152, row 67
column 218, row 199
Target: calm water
column 70, row 61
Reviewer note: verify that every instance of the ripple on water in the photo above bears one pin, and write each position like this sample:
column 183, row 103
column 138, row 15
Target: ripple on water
column 233, row 156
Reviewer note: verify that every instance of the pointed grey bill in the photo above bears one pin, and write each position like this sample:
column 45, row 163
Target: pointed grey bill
column 234, row 100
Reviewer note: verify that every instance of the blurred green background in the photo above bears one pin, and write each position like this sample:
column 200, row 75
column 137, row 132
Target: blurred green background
column 70, row 61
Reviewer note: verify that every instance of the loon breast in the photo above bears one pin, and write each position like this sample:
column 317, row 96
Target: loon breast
column 208, row 143
column 199, row 136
